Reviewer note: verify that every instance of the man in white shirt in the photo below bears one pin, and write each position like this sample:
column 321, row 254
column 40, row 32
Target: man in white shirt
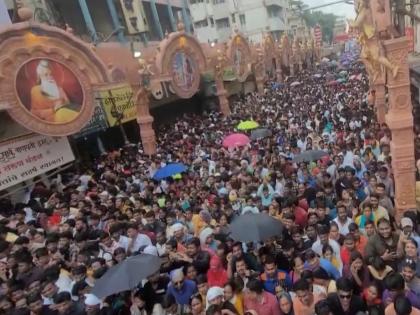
column 280, row 183
column 116, row 233
column 84, row 180
column 323, row 233
column 342, row 219
column 301, row 143
column 136, row 239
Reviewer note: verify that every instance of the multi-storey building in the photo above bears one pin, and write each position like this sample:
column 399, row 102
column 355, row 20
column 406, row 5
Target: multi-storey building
column 214, row 20
column 125, row 20
column 297, row 24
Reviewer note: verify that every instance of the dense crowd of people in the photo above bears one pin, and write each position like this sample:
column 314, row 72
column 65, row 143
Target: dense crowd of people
column 341, row 251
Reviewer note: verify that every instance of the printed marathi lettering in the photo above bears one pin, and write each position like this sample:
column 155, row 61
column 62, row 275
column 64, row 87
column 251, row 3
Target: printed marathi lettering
column 7, row 155
column 26, row 147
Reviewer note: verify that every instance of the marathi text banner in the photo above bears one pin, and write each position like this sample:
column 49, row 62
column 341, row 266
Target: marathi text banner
column 26, row 158
column 118, row 105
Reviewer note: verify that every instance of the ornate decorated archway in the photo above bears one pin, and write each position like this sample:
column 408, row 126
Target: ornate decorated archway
column 181, row 60
column 239, row 52
column 47, row 78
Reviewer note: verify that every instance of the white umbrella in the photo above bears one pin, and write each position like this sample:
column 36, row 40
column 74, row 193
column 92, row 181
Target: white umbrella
column 296, row 83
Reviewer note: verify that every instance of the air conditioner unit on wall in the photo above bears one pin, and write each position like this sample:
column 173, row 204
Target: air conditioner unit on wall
column 134, row 15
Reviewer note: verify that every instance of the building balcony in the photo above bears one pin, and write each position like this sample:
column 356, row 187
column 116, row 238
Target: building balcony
column 198, row 11
column 221, row 10
column 280, row 3
column 173, row 3
column 276, row 24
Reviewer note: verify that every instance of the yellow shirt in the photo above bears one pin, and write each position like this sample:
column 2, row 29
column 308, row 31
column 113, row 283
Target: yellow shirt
column 238, row 302
column 198, row 224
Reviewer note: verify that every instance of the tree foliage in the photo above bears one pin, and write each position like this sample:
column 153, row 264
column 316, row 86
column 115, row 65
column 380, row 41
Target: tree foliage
column 325, row 20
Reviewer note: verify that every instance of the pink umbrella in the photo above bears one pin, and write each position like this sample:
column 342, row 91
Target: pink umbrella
column 236, row 140
column 332, row 83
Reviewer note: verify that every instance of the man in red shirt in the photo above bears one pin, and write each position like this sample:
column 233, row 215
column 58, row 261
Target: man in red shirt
column 304, row 301
column 347, row 249
column 259, row 300
column 360, row 240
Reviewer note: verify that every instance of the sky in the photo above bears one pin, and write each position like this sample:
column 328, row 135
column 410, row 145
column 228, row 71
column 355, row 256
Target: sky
column 338, row 9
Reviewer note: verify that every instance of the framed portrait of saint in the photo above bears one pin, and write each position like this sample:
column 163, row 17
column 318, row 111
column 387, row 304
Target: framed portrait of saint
column 49, row 91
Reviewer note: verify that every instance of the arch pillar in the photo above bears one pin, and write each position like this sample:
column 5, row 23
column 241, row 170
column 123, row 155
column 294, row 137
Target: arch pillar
column 259, row 71
column 145, row 121
column 279, row 62
column 380, row 100
column 220, row 64
column 400, row 120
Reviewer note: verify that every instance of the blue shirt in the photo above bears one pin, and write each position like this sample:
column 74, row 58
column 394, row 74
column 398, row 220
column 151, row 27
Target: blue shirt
column 360, row 194
column 183, row 295
column 282, row 279
column 328, row 267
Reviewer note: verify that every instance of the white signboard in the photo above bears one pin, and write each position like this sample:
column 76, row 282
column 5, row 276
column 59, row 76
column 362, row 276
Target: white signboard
column 31, row 156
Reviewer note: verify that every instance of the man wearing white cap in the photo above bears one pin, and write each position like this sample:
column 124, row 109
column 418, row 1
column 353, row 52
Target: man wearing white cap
column 180, row 288
column 215, row 296
column 178, row 230
column 407, row 228
column 94, row 306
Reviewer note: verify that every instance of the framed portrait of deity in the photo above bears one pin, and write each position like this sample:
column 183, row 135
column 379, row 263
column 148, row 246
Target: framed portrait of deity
column 240, row 54
column 184, row 70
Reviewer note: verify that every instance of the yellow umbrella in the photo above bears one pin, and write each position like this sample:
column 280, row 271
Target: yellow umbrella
column 177, row 176
column 248, row 125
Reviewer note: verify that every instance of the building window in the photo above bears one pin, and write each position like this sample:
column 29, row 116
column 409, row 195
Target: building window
column 196, row 1
column 273, row 11
column 242, row 19
column 200, row 24
column 218, row 1
column 222, row 23
column 233, row 18
column 212, row 22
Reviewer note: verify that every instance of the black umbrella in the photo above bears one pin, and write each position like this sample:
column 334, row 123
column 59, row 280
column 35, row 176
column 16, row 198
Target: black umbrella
column 260, row 133
column 255, row 227
column 309, row 156
column 126, row 275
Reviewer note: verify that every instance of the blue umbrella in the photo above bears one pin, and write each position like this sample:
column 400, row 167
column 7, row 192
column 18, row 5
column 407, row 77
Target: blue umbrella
column 276, row 85
column 169, row 170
